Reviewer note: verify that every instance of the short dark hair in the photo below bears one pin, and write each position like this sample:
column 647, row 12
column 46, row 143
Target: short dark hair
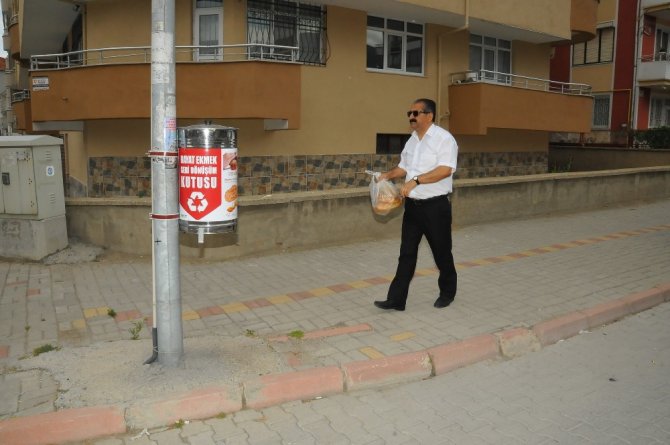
column 428, row 105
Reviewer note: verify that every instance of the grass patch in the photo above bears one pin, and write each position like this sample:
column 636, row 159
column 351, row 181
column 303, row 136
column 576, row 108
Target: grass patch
column 135, row 330
column 296, row 334
column 111, row 312
column 45, row 348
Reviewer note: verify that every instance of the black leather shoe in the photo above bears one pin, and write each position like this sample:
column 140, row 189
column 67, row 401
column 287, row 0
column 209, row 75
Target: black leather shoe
column 443, row 302
column 389, row 305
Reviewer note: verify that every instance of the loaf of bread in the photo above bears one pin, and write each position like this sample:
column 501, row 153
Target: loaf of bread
column 384, row 205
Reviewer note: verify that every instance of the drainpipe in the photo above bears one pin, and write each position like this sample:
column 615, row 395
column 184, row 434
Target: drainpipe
column 635, row 99
column 439, row 60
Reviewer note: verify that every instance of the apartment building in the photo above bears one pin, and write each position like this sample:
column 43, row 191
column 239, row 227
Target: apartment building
column 318, row 91
column 628, row 66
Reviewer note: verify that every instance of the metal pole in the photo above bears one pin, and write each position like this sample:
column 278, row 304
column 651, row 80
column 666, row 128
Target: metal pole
column 165, row 202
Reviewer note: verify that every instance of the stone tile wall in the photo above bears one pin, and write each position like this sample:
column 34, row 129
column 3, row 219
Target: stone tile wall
column 263, row 175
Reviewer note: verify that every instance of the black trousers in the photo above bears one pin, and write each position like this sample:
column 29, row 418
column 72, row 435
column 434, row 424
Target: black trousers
column 431, row 218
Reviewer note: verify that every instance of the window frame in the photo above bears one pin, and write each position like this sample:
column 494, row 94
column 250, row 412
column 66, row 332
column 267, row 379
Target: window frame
column 388, row 31
column 598, row 39
column 597, row 97
column 497, row 49
column 660, row 114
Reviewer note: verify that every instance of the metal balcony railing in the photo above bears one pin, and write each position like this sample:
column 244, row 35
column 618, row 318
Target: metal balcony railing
column 661, row 56
column 142, row 54
column 20, row 95
column 525, row 82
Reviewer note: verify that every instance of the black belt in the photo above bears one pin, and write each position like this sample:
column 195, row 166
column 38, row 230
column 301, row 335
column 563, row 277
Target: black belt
column 427, row 200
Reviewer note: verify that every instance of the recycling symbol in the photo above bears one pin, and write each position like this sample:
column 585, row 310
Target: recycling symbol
column 197, row 202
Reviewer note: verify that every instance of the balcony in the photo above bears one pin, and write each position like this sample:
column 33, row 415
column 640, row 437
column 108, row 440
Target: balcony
column 656, row 8
column 259, row 84
column 487, row 99
column 14, row 40
column 654, row 71
column 583, row 20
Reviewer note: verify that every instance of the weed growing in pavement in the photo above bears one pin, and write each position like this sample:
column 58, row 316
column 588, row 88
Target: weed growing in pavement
column 45, row 348
column 221, row 415
column 179, row 424
column 111, row 312
column 297, row 334
column 135, row 330
column 27, row 328
column 250, row 333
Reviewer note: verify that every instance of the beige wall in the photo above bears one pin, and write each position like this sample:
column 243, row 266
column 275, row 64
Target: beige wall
column 343, row 106
column 506, row 141
column 607, row 10
column 118, row 137
column 599, row 76
column 77, row 156
column 108, row 23
column 530, row 60
column 550, row 16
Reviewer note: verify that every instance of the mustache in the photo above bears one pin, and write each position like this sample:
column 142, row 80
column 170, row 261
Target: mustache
column 412, row 120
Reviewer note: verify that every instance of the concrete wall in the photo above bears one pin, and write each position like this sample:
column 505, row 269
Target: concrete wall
column 276, row 223
column 580, row 159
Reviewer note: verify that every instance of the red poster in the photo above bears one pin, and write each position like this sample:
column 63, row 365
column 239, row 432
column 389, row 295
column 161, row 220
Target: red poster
column 199, row 181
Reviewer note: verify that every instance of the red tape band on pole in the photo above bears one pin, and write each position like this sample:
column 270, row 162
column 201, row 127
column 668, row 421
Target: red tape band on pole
column 162, row 153
column 171, row 216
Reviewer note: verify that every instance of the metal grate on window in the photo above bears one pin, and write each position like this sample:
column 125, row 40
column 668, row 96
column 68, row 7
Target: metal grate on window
column 287, row 23
column 601, row 111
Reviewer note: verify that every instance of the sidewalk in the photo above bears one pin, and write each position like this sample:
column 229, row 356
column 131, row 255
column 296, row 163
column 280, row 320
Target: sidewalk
column 522, row 285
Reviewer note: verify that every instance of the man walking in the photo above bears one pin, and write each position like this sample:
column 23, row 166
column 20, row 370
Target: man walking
column 427, row 162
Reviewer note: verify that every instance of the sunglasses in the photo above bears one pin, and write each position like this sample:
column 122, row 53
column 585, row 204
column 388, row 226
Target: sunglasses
column 415, row 113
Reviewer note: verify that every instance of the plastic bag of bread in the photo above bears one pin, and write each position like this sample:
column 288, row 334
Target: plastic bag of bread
column 384, row 195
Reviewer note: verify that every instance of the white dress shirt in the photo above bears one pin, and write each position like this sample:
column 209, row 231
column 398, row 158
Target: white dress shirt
column 438, row 147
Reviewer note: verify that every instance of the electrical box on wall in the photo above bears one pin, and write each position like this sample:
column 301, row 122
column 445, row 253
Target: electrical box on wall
column 32, row 200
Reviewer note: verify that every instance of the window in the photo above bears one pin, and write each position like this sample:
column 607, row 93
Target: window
column 597, row 50
column 208, row 29
column 601, row 111
column 491, row 58
column 286, row 23
column 391, row 143
column 661, row 46
column 394, row 45
column 659, row 115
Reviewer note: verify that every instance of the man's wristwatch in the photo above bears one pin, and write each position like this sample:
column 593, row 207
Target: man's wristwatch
column 416, row 179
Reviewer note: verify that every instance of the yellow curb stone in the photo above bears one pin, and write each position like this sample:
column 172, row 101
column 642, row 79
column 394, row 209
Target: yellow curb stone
column 424, row 272
column 275, row 299
column 507, row 258
column 481, row 262
column 359, row 284
column 90, row 313
column 321, row 291
column 190, row 315
column 234, row 307
column 79, row 323
column 371, row 352
column 403, row 336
